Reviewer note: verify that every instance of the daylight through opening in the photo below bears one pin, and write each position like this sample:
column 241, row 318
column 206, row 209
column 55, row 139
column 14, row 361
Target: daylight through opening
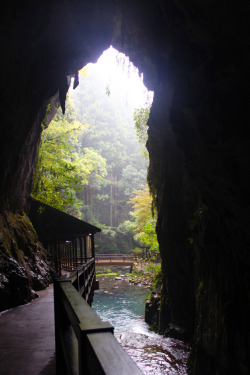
column 93, row 160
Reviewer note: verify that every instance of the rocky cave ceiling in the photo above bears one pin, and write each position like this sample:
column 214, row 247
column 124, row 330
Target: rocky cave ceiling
column 195, row 57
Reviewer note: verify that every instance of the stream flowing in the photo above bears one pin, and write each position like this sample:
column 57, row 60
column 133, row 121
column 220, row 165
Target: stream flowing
column 122, row 304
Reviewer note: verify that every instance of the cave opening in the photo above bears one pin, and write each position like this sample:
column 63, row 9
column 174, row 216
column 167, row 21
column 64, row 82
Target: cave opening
column 93, row 159
column 198, row 144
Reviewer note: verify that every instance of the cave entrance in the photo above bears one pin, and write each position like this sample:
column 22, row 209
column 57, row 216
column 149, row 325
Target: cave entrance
column 94, row 158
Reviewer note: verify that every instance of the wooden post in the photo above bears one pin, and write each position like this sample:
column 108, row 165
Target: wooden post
column 59, row 322
column 59, row 260
column 85, row 249
column 92, row 245
column 75, row 252
column 68, row 251
column 55, row 257
column 80, row 238
column 70, row 255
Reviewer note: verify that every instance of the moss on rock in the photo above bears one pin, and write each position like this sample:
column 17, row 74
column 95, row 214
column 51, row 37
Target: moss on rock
column 24, row 264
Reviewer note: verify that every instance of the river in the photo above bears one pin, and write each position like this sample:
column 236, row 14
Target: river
column 122, row 304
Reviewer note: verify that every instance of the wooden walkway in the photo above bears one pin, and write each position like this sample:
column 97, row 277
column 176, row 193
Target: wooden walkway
column 27, row 338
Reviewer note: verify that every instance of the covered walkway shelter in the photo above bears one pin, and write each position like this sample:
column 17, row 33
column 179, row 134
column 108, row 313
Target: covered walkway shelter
column 69, row 240
column 84, row 344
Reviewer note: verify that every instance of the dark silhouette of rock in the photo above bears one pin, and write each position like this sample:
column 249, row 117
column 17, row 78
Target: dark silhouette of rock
column 195, row 57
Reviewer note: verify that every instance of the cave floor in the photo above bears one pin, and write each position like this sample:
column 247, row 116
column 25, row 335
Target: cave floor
column 27, row 342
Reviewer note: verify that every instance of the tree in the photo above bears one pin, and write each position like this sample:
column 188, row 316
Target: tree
column 63, row 167
column 143, row 220
column 133, row 178
column 113, row 136
column 141, row 116
column 106, row 99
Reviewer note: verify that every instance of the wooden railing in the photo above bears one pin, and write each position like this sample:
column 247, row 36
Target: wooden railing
column 68, row 265
column 85, row 345
column 75, row 252
column 83, row 279
column 116, row 257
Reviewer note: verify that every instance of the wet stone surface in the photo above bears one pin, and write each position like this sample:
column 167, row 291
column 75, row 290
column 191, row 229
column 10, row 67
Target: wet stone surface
column 27, row 342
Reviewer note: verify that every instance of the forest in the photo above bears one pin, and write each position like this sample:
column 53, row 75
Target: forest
column 93, row 160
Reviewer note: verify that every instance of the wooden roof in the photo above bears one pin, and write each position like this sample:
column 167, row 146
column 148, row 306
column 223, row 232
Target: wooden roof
column 52, row 224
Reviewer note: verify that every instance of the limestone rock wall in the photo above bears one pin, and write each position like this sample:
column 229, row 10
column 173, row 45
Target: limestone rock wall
column 25, row 266
column 202, row 140
column 195, row 56
column 42, row 44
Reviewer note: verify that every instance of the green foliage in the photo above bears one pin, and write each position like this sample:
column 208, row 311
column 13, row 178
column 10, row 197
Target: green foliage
column 104, row 105
column 141, row 116
column 132, row 179
column 154, row 268
column 138, row 252
column 103, row 271
column 107, row 274
column 92, row 170
column 18, row 237
column 156, row 281
column 64, row 168
column 144, row 222
column 112, row 135
column 127, row 227
column 148, row 236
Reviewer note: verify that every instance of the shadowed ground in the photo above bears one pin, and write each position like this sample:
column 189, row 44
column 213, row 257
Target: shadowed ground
column 27, row 343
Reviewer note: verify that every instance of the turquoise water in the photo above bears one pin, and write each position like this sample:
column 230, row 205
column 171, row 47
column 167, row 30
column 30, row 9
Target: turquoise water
column 122, row 304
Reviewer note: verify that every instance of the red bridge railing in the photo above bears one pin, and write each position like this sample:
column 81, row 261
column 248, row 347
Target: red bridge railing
column 115, row 257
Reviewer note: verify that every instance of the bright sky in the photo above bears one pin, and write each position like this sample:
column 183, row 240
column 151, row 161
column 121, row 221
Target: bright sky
column 116, row 67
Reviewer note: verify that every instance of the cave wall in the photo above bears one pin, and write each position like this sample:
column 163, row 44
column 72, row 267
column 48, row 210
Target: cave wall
column 43, row 43
column 202, row 184
column 195, row 57
column 25, row 266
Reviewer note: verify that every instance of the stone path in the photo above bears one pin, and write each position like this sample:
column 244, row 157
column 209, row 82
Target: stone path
column 27, row 343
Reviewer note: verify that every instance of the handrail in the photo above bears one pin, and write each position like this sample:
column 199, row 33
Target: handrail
column 130, row 256
column 84, row 343
column 116, row 257
column 83, row 279
column 70, row 266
